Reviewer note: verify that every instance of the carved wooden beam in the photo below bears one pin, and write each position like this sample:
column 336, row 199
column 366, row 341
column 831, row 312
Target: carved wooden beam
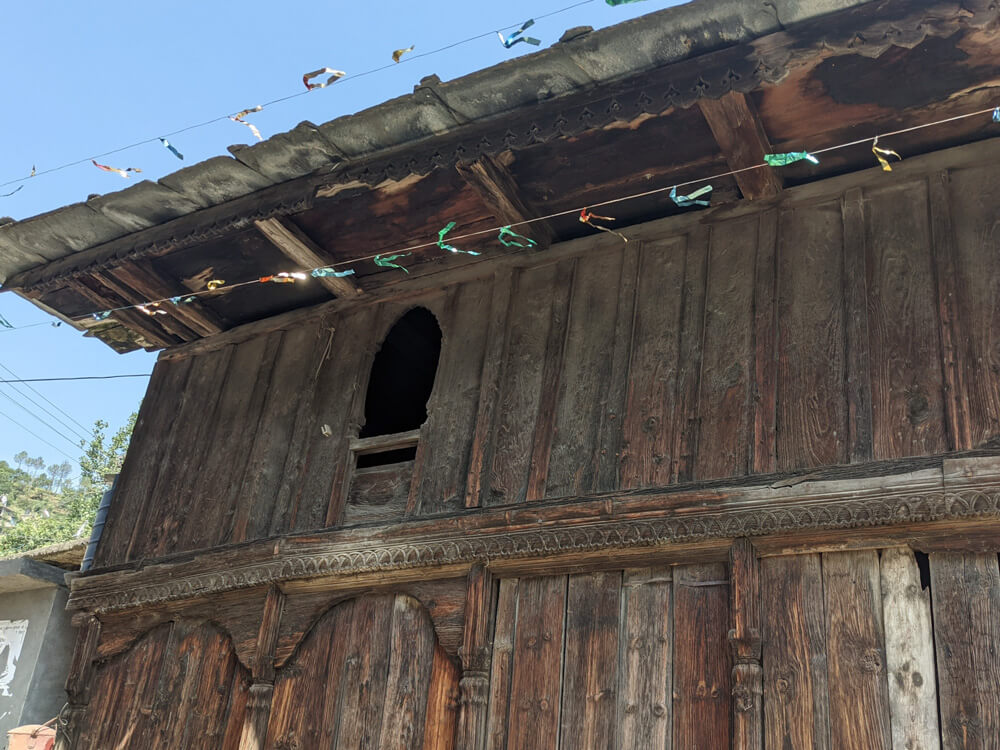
column 476, row 652
column 299, row 248
column 498, row 190
column 149, row 285
column 134, row 320
column 745, row 640
column 262, row 689
column 741, row 137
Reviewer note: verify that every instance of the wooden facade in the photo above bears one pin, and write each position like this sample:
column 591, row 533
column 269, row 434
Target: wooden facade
column 733, row 483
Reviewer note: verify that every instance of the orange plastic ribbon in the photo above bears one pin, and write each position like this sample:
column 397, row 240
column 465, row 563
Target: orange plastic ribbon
column 586, row 217
column 116, row 170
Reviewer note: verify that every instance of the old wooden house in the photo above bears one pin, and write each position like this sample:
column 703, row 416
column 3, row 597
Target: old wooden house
column 733, row 483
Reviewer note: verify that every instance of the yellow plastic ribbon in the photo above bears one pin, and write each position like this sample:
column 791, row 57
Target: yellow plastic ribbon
column 882, row 153
column 400, row 52
column 214, row 284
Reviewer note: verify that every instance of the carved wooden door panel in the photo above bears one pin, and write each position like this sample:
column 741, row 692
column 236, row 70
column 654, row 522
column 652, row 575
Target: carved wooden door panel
column 370, row 675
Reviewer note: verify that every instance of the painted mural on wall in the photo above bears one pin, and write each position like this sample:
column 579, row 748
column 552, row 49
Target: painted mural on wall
column 11, row 640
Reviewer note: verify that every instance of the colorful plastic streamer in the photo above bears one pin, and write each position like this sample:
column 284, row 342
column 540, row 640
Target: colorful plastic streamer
column 386, row 261
column 996, row 114
column 150, row 308
column 238, row 117
column 102, row 315
column 882, row 153
column 396, row 54
column 691, row 199
column 5, row 323
column 214, row 284
column 171, row 149
column 516, row 37
column 451, row 248
column 116, row 170
column 319, row 273
column 182, row 300
column 283, row 278
column 7, row 195
column 621, row 2
column 510, row 238
column 783, row 160
column 335, row 75
column 587, row 218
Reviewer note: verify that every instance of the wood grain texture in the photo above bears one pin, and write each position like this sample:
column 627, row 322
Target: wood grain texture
column 859, row 699
column 965, row 591
column 645, row 715
column 796, row 693
column 909, row 652
column 907, row 410
column 745, row 641
column 724, row 390
column 500, row 709
column 590, row 337
column 589, row 709
column 537, row 670
column 764, row 394
column 812, row 416
column 301, row 250
column 858, row 384
column 702, row 663
column 441, row 721
column 648, row 424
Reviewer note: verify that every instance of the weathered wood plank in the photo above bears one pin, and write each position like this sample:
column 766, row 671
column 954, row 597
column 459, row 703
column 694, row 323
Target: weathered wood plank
column 702, row 663
column 411, row 660
column 812, row 418
column 725, row 370
column 796, row 697
column 907, row 410
column 141, row 276
column 363, row 685
column 858, row 358
column 909, row 652
column 859, row 699
column 497, row 332
column 965, row 590
column 502, row 667
column 537, row 676
column 555, row 346
column 745, row 640
column 445, row 447
column 475, row 653
column 590, row 337
column 764, row 394
column 302, row 251
column 495, row 185
column 378, row 493
column 441, row 720
column 645, row 715
column 647, row 426
column 590, row 672
column 520, row 388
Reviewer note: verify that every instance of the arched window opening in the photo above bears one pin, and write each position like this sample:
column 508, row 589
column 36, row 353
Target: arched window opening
column 401, row 380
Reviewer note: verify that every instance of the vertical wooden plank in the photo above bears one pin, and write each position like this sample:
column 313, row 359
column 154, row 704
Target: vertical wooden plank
column 685, row 420
column 442, row 463
column 796, row 697
column 502, row 666
column 965, row 591
column 538, row 651
column 555, row 348
column 859, row 699
column 480, row 607
column 336, row 390
column 441, row 720
column 765, row 300
column 411, row 659
column 363, row 684
column 968, row 292
column 645, row 713
column 489, row 386
column 520, row 388
column 858, row 382
column 590, row 337
column 149, row 439
column 647, row 427
column 909, row 652
column 907, row 409
column 590, row 674
column 812, row 415
column 725, row 367
column 745, row 640
column 702, row 663
column 612, row 420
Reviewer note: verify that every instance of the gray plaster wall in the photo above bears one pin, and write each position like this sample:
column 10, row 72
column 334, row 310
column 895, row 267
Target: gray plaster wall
column 37, row 689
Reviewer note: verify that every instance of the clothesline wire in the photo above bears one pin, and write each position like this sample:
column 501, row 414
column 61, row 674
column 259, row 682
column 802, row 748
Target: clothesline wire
column 222, row 118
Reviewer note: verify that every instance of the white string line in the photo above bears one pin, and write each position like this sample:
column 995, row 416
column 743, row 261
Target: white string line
column 557, row 214
column 222, row 118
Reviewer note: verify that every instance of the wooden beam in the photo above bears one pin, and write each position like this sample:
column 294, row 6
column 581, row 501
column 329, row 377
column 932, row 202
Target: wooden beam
column 295, row 245
column 741, row 137
column 745, row 640
column 150, row 285
column 499, row 191
column 135, row 321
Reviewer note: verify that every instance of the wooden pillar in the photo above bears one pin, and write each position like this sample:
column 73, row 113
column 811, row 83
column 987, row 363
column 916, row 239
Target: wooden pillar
column 745, row 640
column 78, row 680
column 475, row 653
column 262, row 689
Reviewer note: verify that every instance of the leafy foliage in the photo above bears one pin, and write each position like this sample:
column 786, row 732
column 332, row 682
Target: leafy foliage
column 41, row 505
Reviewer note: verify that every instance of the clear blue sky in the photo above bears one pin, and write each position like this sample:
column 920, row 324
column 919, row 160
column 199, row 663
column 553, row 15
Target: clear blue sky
column 79, row 79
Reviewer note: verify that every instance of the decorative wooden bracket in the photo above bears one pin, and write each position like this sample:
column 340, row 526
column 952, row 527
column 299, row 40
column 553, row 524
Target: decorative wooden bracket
column 741, row 137
column 745, row 640
column 476, row 652
column 295, row 245
column 496, row 187
column 262, row 689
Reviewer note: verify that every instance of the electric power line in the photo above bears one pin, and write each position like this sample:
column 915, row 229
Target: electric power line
column 72, row 441
column 39, row 437
column 79, row 430
column 78, row 377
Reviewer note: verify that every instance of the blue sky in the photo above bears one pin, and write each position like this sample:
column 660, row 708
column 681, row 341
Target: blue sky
column 80, row 79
